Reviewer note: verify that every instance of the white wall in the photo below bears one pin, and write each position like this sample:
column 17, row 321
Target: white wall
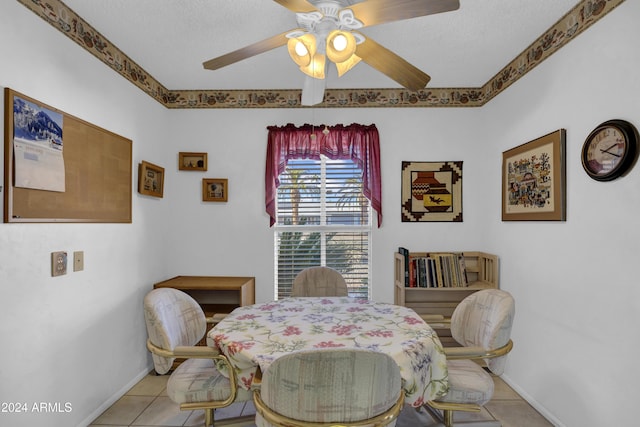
column 90, row 324
column 575, row 282
column 235, row 238
column 78, row 338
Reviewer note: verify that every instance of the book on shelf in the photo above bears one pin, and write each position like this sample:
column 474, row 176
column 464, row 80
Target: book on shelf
column 405, row 252
column 434, row 269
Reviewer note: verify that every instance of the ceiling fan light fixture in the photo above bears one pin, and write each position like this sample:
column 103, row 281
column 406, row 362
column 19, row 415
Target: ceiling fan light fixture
column 345, row 66
column 316, row 67
column 302, row 49
column 341, row 45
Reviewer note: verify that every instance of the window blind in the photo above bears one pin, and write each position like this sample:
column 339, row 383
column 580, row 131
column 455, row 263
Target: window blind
column 322, row 219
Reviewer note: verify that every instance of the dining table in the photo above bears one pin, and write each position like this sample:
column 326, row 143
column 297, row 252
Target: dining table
column 253, row 336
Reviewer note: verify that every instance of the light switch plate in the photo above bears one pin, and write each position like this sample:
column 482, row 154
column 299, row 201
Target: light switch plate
column 58, row 263
column 78, row 261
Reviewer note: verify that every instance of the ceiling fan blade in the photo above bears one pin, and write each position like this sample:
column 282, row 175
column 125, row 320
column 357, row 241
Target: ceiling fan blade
column 393, row 66
column 374, row 12
column 313, row 91
column 297, row 5
column 247, row 51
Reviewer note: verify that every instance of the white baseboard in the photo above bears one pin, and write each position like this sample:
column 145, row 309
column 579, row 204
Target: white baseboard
column 114, row 398
column 531, row 401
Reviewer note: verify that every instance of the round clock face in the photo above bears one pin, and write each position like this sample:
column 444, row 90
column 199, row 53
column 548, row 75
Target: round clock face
column 610, row 150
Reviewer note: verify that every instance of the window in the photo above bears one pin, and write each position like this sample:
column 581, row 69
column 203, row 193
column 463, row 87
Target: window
column 322, row 218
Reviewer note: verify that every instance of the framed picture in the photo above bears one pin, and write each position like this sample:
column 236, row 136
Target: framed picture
column 534, row 180
column 192, row 161
column 214, row 190
column 431, row 192
column 150, row 179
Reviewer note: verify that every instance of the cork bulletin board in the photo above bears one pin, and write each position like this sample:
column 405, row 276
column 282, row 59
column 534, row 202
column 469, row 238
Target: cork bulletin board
column 92, row 178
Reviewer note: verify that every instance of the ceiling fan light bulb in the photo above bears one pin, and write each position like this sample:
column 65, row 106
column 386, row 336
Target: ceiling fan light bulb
column 341, row 45
column 302, row 49
column 340, row 42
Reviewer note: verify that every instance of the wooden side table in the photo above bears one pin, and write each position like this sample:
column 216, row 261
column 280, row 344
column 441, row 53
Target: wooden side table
column 215, row 294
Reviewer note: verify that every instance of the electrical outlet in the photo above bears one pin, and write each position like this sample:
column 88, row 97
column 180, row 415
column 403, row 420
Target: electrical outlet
column 58, row 263
column 78, row 261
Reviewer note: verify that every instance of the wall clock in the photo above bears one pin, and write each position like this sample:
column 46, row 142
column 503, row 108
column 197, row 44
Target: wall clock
column 610, row 150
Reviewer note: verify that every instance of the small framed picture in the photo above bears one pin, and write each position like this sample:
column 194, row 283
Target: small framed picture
column 215, row 189
column 150, row 179
column 192, row 161
column 534, row 180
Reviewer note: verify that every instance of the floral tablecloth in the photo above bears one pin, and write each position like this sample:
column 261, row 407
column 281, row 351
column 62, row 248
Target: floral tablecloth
column 256, row 335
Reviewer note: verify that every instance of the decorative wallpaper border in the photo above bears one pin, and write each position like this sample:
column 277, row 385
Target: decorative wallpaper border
column 577, row 20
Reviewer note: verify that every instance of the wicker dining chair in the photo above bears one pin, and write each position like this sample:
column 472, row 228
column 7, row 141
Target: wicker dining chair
column 330, row 387
column 175, row 323
column 481, row 324
column 319, row 282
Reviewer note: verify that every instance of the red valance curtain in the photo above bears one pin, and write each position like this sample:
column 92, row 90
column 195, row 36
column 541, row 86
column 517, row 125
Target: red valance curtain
column 356, row 142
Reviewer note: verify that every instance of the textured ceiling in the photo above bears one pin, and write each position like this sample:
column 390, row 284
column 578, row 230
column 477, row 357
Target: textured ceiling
column 170, row 39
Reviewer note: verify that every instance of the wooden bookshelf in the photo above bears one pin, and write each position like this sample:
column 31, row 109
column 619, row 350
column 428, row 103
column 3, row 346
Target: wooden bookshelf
column 482, row 273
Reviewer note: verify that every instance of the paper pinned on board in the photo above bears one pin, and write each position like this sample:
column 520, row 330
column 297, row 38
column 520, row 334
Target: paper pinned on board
column 37, row 147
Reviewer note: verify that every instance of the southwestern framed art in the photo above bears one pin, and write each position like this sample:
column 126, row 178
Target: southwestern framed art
column 150, row 179
column 192, row 161
column 431, row 192
column 215, row 189
column 534, row 180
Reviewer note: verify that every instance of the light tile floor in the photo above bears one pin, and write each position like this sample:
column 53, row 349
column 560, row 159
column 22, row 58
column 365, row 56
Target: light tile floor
column 147, row 404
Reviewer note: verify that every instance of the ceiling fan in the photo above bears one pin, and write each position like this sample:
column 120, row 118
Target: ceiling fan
column 326, row 31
